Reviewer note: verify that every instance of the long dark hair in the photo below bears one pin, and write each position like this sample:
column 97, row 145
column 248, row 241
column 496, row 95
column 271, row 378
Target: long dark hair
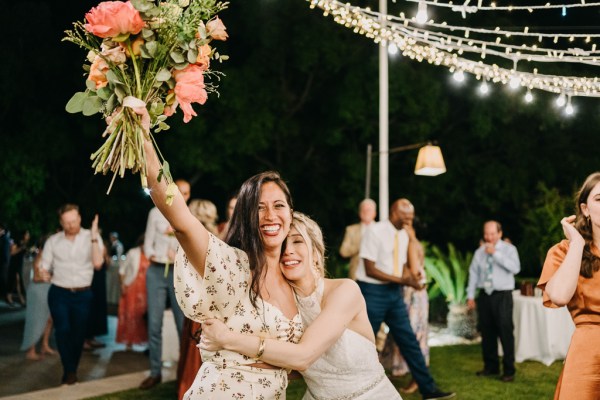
column 589, row 262
column 244, row 232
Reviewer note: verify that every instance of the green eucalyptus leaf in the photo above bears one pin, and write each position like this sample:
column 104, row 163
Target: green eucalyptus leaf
column 192, row 54
column 111, row 103
column 113, row 78
column 181, row 66
column 142, row 5
column 151, row 48
column 163, row 126
column 91, row 85
column 147, row 34
column 163, row 75
column 177, row 57
column 120, row 92
column 104, row 93
column 92, row 105
column 75, row 103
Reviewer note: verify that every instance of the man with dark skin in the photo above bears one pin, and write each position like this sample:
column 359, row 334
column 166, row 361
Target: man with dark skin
column 389, row 251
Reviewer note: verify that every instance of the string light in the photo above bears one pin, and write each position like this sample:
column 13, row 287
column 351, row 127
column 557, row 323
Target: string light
column 561, row 100
column 484, row 88
column 459, row 76
column 421, row 16
column 448, row 51
column 392, row 49
column 528, row 97
column 465, row 8
column 569, row 110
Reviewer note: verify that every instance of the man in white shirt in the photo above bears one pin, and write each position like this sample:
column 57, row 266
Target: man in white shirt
column 367, row 210
column 160, row 246
column 69, row 258
column 386, row 249
column 493, row 270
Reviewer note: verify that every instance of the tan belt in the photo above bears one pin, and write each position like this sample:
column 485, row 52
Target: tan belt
column 75, row 289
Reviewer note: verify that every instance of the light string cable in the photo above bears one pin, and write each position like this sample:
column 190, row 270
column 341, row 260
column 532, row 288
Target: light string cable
column 471, row 9
column 365, row 22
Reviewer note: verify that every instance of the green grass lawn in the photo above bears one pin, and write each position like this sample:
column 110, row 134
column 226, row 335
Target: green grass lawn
column 453, row 368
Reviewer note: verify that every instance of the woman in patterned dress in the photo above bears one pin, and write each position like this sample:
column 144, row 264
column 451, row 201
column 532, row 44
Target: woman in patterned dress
column 336, row 355
column 237, row 281
column 570, row 277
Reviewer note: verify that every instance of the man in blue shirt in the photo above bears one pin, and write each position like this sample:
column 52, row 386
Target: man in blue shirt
column 493, row 270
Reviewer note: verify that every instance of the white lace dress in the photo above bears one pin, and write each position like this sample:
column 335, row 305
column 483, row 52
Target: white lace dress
column 350, row 369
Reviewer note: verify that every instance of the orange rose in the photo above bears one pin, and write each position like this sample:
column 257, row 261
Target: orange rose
column 216, row 30
column 189, row 88
column 98, row 72
column 113, row 18
column 203, row 59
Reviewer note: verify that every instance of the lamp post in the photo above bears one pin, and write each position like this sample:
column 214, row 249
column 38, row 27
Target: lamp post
column 383, row 120
column 430, row 162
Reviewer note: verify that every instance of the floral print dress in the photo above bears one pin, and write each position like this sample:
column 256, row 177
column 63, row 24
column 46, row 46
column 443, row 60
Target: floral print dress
column 223, row 293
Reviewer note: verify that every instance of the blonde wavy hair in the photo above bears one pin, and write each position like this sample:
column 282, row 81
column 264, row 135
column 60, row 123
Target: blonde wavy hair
column 313, row 236
column 206, row 212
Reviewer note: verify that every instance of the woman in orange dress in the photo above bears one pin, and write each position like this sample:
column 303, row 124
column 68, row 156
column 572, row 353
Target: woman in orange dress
column 132, row 327
column 570, row 277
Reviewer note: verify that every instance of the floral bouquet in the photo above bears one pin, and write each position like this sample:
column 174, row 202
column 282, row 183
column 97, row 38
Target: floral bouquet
column 145, row 59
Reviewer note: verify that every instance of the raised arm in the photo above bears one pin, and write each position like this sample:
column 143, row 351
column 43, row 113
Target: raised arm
column 561, row 287
column 342, row 305
column 190, row 232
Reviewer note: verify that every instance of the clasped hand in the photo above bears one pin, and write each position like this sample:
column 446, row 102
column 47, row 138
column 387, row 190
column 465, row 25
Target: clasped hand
column 214, row 335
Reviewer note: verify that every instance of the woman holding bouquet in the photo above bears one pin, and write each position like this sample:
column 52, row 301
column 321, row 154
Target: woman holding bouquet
column 337, row 354
column 238, row 282
column 570, row 277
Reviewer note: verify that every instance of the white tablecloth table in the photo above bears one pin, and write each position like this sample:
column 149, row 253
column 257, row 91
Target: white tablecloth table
column 541, row 334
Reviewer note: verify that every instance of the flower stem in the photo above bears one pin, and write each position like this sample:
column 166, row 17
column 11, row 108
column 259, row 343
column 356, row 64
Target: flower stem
column 136, row 69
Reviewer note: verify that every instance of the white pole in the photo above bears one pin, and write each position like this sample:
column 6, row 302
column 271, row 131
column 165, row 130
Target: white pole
column 383, row 122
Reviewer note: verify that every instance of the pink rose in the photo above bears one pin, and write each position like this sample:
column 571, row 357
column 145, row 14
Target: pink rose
column 112, row 18
column 189, row 88
column 216, row 30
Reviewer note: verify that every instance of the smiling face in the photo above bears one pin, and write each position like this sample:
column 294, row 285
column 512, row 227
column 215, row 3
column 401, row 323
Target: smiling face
column 274, row 215
column 296, row 259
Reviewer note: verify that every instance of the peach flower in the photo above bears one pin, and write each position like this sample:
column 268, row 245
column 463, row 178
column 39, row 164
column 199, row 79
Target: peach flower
column 98, row 72
column 216, row 30
column 112, row 18
column 203, row 59
column 189, row 88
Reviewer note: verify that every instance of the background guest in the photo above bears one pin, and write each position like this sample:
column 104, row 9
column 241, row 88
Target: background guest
column 132, row 327
column 38, row 324
column 69, row 259
column 367, row 210
column 223, row 227
column 493, row 270
column 160, row 246
column 113, row 281
column 14, row 281
column 98, row 320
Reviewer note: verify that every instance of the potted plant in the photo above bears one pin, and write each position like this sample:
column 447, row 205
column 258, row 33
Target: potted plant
column 448, row 274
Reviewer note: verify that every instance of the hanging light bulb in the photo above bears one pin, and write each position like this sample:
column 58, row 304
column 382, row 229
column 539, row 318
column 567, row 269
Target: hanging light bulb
column 528, row 97
column 569, row 110
column 514, row 82
column 392, row 49
column 459, row 76
column 561, row 100
column 421, row 16
column 484, row 88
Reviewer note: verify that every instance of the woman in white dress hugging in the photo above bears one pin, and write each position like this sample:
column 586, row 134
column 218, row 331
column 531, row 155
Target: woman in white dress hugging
column 238, row 281
column 336, row 355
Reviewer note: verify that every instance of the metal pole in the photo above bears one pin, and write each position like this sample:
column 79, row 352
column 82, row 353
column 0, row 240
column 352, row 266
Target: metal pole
column 383, row 120
column 368, row 173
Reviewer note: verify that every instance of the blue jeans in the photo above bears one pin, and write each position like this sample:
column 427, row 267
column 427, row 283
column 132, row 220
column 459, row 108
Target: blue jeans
column 70, row 312
column 158, row 290
column 385, row 303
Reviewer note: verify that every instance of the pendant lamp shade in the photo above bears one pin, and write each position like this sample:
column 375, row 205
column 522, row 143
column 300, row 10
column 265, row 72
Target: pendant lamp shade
column 430, row 161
